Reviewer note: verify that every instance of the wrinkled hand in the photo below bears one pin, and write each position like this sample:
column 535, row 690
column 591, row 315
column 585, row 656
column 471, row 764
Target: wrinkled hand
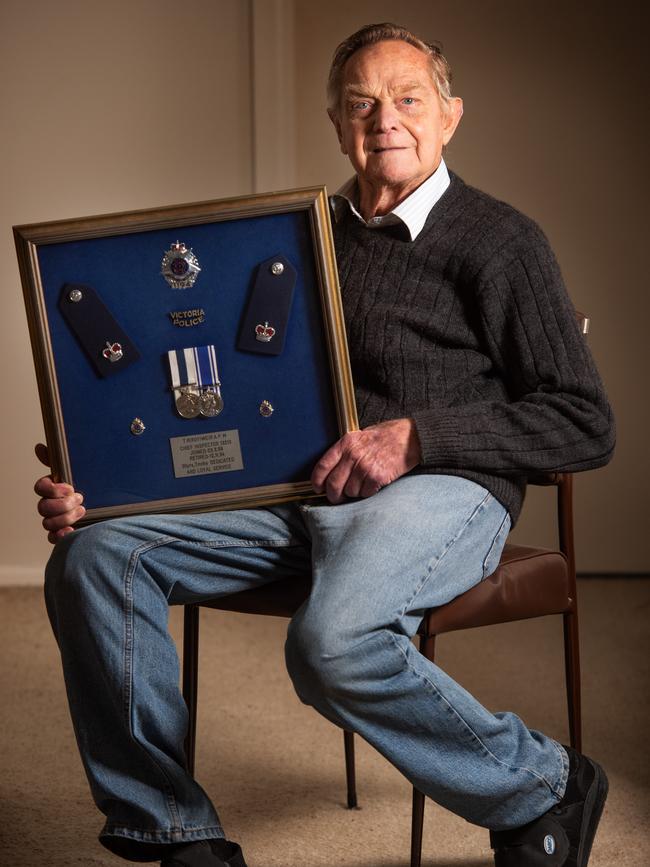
column 60, row 506
column 363, row 462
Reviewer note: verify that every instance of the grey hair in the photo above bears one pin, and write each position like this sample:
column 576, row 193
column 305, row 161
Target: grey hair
column 370, row 35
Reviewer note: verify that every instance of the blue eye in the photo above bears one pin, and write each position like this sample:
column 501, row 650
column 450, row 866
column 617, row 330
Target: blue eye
column 408, row 100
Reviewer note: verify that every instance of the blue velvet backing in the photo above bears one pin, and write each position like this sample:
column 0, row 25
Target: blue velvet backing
column 110, row 465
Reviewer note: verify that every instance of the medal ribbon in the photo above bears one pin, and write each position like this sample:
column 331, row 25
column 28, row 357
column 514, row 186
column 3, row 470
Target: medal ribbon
column 181, row 376
column 194, row 366
column 205, row 364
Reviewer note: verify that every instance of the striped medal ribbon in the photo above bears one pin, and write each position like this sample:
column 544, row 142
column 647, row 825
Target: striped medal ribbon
column 195, row 381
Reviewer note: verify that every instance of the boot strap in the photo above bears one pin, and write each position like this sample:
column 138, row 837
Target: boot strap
column 542, row 843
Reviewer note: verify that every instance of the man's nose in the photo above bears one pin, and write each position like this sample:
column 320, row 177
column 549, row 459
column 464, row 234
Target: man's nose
column 386, row 117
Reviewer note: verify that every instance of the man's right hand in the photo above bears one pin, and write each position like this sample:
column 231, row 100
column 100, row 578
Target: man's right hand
column 60, row 505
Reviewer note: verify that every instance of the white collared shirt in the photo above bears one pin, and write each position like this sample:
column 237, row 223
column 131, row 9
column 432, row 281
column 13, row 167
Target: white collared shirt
column 412, row 212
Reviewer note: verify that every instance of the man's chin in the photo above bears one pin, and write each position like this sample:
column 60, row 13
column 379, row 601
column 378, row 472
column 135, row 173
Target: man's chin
column 391, row 167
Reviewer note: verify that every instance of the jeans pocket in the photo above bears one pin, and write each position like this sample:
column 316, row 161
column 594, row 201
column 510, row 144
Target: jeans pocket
column 494, row 553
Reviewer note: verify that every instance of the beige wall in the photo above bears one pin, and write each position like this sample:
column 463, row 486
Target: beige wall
column 105, row 106
column 136, row 103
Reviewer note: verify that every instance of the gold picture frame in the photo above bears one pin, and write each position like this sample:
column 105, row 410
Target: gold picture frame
column 85, row 415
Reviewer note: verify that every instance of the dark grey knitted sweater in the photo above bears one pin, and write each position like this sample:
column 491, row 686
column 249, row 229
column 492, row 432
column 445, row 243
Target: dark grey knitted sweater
column 469, row 330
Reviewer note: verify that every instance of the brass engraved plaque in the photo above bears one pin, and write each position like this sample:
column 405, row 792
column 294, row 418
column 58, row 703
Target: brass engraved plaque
column 203, row 454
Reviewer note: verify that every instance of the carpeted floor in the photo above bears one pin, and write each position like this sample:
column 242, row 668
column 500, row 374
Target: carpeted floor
column 275, row 768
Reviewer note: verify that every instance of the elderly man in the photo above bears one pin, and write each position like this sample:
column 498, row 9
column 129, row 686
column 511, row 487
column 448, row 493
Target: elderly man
column 470, row 372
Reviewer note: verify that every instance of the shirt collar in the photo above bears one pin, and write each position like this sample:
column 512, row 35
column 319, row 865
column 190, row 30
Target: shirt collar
column 412, row 212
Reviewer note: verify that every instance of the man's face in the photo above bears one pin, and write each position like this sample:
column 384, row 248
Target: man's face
column 390, row 121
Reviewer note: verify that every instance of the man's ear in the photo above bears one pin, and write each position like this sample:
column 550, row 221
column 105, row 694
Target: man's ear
column 453, row 111
column 333, row 116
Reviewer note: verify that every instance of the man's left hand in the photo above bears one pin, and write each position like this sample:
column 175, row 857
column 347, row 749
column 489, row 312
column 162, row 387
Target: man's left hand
column 363, row 462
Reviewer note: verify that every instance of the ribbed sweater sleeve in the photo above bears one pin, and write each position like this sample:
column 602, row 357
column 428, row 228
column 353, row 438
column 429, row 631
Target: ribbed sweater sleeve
column 469, row 330
column 554, row 415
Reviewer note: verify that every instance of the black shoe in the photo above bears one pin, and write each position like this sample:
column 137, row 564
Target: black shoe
column 562, row 837
column 206, row 853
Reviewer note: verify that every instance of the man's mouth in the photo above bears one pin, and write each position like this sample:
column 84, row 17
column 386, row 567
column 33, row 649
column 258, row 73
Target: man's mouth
column 383, row 150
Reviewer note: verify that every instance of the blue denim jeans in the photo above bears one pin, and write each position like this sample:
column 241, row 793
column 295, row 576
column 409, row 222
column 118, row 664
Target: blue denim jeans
column 377, row 564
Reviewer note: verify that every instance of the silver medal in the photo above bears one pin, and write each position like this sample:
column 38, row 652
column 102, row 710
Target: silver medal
column 188, row 403
column 211, row 402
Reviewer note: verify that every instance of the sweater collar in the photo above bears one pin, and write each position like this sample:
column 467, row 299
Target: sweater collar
column 412, row 212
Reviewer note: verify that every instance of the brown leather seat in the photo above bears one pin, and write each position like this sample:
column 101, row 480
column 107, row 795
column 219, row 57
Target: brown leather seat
column 529, row 582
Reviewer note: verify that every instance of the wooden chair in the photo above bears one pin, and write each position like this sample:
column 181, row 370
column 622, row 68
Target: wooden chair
column 529, row 582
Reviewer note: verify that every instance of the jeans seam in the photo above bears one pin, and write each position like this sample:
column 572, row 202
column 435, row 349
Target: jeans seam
column 497, row 535
column 431, row 568
column 127, row 699
column 564, row 776
column 460, row 717
column 250, row 543
column 128, row 831
column 127, row 702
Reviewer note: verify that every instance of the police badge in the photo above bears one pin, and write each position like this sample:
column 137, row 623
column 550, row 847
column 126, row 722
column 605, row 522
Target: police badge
column 179, row 266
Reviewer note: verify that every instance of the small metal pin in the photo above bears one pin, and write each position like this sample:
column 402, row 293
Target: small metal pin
column 75, row 295
column 266, row 409
column 277, row 268
column 137, row 427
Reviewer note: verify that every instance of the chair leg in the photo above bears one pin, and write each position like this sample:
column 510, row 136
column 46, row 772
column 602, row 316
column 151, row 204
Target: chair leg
column 191, row 678
column 572, row 668
column 427, row 649
column 417, row 824
column 350, row 773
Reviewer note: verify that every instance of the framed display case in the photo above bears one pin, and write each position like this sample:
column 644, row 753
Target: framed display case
column 192, row 357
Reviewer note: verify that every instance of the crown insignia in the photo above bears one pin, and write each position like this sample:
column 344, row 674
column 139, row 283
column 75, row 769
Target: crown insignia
column 264, row 333
column 113, row 351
